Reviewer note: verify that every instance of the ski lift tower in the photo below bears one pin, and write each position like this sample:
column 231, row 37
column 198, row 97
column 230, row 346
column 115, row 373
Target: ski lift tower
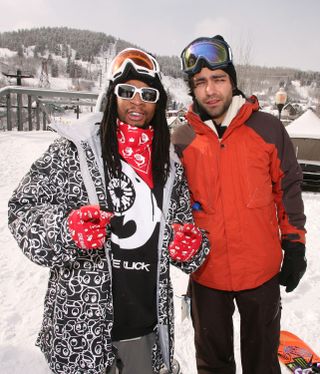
column 44, row 77
column 109, row 56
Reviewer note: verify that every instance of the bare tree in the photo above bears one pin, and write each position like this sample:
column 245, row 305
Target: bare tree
column 243, row 62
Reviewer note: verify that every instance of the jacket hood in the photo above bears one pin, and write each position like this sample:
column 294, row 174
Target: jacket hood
column 79, row 130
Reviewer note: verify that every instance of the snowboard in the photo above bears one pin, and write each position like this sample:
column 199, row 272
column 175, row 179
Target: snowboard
column 296, row 355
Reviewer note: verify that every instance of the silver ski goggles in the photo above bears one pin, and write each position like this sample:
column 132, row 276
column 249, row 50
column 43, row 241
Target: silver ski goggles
column 127, row 92
column 142, row 62
column 215, row 53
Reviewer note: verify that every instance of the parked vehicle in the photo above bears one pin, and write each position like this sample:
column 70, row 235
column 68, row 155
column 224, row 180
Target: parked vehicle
column 305, row 135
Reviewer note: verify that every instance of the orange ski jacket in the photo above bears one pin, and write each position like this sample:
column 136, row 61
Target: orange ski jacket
column 248, row 187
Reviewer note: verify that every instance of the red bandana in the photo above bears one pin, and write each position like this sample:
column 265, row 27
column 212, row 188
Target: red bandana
column 135, row 145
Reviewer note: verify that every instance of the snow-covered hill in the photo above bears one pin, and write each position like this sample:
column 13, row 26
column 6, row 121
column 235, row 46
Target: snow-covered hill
column 91, row 75
column 23, row 284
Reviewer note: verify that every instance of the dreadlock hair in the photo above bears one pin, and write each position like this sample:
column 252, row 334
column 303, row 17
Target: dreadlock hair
column 161, row 138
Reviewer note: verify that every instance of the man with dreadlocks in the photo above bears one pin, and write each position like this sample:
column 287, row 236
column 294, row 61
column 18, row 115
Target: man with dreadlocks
column 106, row 208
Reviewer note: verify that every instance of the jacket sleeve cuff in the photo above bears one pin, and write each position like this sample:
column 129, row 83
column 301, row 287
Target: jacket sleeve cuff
column 296, row 247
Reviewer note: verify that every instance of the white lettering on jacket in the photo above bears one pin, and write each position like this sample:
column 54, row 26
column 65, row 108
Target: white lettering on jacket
column 130, row 265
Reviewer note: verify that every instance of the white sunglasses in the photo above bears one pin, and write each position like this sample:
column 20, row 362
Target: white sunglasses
column 127, row 92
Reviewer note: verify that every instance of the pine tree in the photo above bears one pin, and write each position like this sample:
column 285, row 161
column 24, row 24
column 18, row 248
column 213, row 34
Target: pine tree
column 68, row 65
column 57, row 50
column 20, row 51
column 54, row 70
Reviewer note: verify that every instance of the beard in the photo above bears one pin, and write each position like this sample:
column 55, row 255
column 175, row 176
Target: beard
column 217, row 113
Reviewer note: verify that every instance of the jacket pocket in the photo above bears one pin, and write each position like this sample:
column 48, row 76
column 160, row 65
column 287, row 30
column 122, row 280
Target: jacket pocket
column 261, row 196
column 80, row 315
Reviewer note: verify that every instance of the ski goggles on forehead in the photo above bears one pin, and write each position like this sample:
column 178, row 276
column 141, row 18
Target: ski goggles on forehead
column 141, row 61
column 215, row 53
column 127, row 92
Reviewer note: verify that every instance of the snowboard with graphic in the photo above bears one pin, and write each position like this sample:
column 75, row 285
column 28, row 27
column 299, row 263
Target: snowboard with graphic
column 296, row 355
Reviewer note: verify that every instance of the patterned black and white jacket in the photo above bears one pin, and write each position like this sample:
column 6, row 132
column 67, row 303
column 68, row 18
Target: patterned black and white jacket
column 75, row 336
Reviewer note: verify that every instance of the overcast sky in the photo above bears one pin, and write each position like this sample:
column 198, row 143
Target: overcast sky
column 275, row 32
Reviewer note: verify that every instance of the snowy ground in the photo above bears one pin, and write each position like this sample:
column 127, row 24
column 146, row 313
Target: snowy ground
column 23, row 283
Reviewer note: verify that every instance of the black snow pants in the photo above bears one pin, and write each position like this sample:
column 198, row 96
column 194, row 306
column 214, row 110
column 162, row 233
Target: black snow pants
column 260, row 312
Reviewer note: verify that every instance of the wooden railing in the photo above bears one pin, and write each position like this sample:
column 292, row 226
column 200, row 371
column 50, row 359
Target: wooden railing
column 25, row 108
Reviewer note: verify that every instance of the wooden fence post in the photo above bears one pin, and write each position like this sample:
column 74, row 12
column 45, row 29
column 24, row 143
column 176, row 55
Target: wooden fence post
column 9, row 123
column 44, row 116
column 38, row 116
column 30, row 112
column 19, row 112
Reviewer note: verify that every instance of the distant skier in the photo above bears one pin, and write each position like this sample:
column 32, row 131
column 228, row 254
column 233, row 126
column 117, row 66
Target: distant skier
column 245, row 182
column 107, row 209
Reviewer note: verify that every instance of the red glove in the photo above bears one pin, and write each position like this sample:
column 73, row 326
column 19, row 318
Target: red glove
column 87, row 226
column 186, row 242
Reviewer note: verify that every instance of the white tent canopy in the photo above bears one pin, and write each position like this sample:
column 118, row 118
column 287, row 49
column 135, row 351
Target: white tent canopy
column 306, row 126
column 305, row 135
